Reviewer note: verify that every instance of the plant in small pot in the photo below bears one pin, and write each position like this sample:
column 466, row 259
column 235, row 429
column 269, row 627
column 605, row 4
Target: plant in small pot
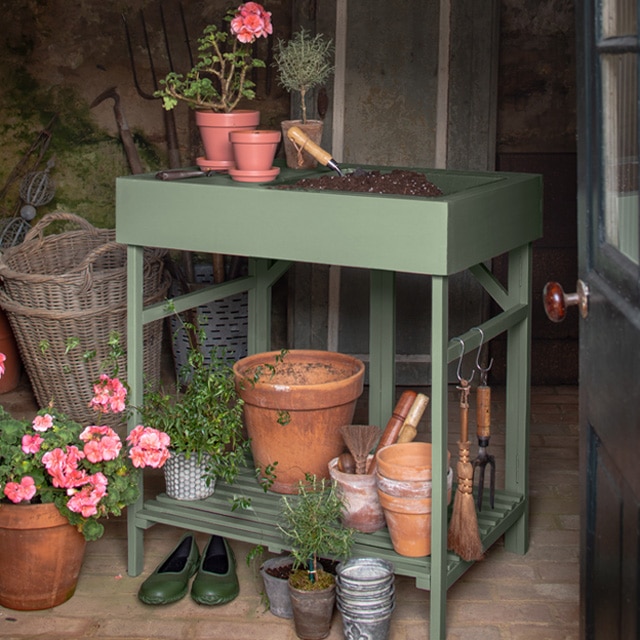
column 303, row 63
column 219, row 80
column 58, row 479
column 204, row 422
column 310, row 523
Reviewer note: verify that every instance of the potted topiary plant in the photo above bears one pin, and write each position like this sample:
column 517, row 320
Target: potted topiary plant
column 303, row 63
column 310, row 523
column 219, row 80
column 204, row 422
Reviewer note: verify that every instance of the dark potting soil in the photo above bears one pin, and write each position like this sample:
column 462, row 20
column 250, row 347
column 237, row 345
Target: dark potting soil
column 285, row 571
column 396, row 182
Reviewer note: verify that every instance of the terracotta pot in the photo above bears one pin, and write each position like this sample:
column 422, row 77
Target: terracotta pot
column 41, row 556
column 312, row 611
column 406, row 461
column 363, row 511
column 214, row 131
column 293, row 414
column 13, row 363
column 297, row 158
column 254, row 149
column 405, row 496
column 409, row 523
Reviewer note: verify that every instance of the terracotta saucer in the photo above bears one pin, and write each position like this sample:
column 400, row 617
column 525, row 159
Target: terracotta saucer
column 213, row 165
column 254, row 176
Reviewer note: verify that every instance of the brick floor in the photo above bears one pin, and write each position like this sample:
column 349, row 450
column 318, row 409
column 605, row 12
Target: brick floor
column 504, row 597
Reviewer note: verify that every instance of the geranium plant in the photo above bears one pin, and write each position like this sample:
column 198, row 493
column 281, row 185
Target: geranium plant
column 86, row 471
column 221, row 78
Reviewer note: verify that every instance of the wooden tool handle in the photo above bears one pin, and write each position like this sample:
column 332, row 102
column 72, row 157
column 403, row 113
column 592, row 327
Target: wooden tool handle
column 410, row 426
column 464, row 422
column 300, row 138
column 390, row 434
column 483, row 411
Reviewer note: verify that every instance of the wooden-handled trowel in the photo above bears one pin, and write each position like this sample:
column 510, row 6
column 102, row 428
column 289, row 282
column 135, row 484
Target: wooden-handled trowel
column 303, row 142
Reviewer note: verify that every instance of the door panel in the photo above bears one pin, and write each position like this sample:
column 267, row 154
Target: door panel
column 609, row 252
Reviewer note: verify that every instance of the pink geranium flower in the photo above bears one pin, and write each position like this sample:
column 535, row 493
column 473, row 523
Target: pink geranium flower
column 42, row 423
column 20, row 491
column 251, row 22
column 2, row 360
column 31, row 444
column 149, row 447
column 86, row 501
column 101, row 443
column 62, row 466
column 109, row 395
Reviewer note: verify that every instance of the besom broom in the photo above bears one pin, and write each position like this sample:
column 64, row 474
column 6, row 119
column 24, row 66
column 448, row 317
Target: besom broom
column 463, row 536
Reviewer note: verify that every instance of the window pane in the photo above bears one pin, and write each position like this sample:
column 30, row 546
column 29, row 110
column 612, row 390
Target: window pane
column 620, row 157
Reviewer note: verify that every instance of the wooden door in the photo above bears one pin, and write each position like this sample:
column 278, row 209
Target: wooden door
column 610, row 334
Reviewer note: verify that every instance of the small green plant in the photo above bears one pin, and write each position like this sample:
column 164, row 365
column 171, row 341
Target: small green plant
column 303, row 63
column 205, row 418
column 310, row 523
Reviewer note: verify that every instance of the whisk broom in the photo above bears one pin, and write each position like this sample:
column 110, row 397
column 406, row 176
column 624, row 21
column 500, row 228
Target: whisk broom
column 463, row 537
column 360, row 439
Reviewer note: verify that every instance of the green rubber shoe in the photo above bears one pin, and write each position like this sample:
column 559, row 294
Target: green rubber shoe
column 170, row 580
column 216, row 581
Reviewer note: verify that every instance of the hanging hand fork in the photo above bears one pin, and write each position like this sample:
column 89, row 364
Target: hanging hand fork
column 483, row 419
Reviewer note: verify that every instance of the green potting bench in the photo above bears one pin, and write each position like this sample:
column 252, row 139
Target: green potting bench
column 480, row 216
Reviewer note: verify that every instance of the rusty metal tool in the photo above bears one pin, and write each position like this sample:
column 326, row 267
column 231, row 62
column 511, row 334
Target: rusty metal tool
column 483, row 419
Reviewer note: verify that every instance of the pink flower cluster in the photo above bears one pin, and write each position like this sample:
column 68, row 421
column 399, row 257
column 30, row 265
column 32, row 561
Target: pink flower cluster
column 149, row 447
column 109, row 395
column 251, row 22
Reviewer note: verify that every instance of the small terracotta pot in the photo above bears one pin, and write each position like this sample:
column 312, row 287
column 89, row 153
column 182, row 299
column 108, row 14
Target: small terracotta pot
column 362, row 507
column 41, row 555
column 406, row 461
column 254, row 149
column 409, row 523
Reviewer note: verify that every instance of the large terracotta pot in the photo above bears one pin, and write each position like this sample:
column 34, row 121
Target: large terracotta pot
column 41, row 556
column 214, row 131
column 294, row 412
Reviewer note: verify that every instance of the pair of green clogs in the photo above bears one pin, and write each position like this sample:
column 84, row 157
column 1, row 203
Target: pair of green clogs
column 216, row 581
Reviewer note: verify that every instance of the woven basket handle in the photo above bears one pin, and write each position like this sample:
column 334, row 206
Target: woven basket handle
column 37, row 230
column 90, row 259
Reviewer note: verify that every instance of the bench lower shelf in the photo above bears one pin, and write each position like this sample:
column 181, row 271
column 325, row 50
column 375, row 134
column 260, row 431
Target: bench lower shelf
column 255, row 525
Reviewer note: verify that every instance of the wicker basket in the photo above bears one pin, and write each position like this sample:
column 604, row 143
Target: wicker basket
column 73, row 285
column 82, row 269
column 64, row 377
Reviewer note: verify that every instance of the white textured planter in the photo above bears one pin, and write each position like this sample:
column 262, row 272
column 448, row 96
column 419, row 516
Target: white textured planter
column 184, row 477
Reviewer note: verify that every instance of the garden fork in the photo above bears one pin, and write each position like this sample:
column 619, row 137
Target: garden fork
column 483, row 418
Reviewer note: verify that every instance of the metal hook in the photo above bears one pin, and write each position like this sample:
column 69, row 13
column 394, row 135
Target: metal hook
column 459, row 369
column 483, row 371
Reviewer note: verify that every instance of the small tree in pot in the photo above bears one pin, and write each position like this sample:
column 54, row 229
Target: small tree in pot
column 303, row 63
column 311, row 524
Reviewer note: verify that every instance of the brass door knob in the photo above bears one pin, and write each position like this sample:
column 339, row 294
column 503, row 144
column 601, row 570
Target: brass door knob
column 556, row 301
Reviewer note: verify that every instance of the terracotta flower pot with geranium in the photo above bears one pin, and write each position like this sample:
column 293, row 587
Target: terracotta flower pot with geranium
column 220, row 79
column 61, row 478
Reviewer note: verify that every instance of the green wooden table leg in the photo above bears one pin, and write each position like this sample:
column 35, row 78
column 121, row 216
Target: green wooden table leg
column 518, row 396
column 259, row 311
column 135, row 373
column 439, row 437
column 382, row 346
